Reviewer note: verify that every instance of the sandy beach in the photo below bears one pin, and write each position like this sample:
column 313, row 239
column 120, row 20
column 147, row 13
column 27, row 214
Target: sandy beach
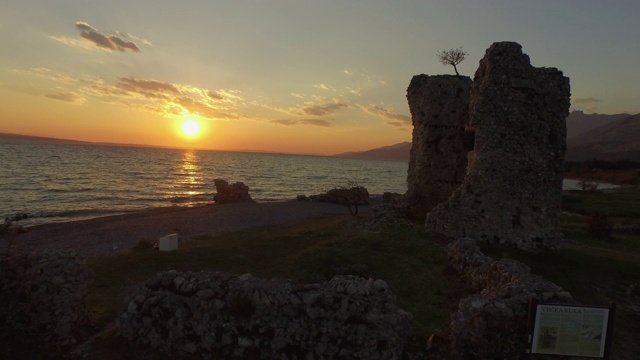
column 119, row 234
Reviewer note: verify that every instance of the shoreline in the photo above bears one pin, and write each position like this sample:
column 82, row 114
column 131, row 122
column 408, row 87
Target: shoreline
column 117, row 234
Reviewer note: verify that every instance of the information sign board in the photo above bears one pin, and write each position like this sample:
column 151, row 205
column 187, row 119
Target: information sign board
column 570, row 330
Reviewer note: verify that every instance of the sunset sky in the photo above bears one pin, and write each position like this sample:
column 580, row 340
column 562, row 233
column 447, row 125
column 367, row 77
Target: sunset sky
column 313, row 77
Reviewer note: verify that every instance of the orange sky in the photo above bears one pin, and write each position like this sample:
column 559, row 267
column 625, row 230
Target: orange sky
column 317, row 77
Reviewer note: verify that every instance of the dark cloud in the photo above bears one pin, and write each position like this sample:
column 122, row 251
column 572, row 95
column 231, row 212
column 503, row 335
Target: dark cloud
column 83, row 26
column 579, row 100
column 314, row 122
column 111, row 43
column 214, row 95
column 123, row 45
column 66, row 96
column 396, row 119
column 323, row 109
column 149, row 88
column 197, row 107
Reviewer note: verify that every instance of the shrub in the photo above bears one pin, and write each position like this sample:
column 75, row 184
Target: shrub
column 599, row 227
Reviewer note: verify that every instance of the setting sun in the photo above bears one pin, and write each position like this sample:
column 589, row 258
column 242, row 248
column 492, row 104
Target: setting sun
column 190, row 128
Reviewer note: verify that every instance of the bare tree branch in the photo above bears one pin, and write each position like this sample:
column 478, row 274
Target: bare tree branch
column 452, row 57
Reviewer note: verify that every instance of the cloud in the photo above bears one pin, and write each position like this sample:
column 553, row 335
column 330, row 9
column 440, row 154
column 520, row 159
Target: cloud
column 144, row 41
column 321, row 109
column 71, row 41
column 322, row 86
column 587, row 100
column 171, row 99
column 197, row 107
column 214, row 95
column 347, row 72
column 47, row 73
column 357, row 92
column 314, row 122
column 110, row 43
column 394, row 119
column 67, row 97
column 150, row 88
column 297, row 95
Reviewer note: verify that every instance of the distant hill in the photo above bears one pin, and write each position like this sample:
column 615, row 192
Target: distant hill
column 6, row 136
column 397, row 152
column 18, row 137
column 589, row 136
column 579, row 123
column 618, row 140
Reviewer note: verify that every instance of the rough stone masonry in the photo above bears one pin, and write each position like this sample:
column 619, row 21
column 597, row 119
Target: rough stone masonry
column 439, row 108
column 512, row 190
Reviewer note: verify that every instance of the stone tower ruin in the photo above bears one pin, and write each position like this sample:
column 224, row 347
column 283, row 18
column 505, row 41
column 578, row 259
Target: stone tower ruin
column 512, row 190
column 439, row 107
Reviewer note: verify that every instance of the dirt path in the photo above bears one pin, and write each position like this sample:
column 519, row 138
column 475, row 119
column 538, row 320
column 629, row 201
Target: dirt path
column 118, row 234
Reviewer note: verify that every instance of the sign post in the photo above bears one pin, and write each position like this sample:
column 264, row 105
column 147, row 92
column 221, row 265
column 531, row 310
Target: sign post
column 567, row 330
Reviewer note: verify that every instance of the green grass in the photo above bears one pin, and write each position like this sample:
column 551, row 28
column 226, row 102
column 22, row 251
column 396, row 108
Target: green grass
column 622, row 203
column 415, row 268
column 413, row 263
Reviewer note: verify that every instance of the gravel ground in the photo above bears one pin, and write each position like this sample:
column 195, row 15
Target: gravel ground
column 118, row 234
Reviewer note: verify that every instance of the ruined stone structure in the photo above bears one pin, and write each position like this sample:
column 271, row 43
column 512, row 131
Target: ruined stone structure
column 348, row 317
column 512, row 190
column 42, row 296
column 492, row 323
column 439, row 108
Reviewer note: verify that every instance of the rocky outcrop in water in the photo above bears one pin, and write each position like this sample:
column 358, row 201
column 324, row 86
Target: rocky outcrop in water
column 230, row 315
column 237, row 192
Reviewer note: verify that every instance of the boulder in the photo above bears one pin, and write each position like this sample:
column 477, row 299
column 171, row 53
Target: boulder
column 237, row 192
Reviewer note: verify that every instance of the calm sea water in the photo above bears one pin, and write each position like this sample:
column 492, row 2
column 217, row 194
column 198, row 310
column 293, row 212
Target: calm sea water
column 55, row 182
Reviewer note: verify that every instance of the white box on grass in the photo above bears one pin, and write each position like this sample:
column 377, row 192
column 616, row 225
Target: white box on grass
column 168, row 243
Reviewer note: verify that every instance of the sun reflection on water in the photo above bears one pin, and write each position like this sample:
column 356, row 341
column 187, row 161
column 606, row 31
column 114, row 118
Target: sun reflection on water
column 188, row 182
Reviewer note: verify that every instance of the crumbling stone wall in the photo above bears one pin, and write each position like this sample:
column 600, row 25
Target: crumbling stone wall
column 512, row 191
column 439, row 107
column 43, row 296
column 492, row 324
column 230, row 315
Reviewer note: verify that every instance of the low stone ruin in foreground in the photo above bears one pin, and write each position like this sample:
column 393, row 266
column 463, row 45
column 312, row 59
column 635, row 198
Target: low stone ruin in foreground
column 42, row 296
column 230, row 315
column 492, row 323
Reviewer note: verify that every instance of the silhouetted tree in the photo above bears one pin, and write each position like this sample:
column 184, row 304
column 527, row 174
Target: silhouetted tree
column 452, row 57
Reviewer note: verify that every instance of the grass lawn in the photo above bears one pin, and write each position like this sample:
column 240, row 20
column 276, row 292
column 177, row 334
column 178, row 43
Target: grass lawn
column 415, row 268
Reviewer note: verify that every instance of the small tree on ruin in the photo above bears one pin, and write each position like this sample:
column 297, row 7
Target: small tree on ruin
column 452, row 57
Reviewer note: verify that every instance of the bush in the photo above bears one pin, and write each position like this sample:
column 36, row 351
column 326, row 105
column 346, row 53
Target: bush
column 599, row 227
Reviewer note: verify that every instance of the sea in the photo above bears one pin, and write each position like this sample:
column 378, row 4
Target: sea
column 48, row 182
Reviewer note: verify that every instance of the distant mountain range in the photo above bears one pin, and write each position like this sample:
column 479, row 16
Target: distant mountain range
column 397, row 152
column 589, row 136
column 616, row 140
column 579, row 123
column 18, row 137
column 5, row 136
